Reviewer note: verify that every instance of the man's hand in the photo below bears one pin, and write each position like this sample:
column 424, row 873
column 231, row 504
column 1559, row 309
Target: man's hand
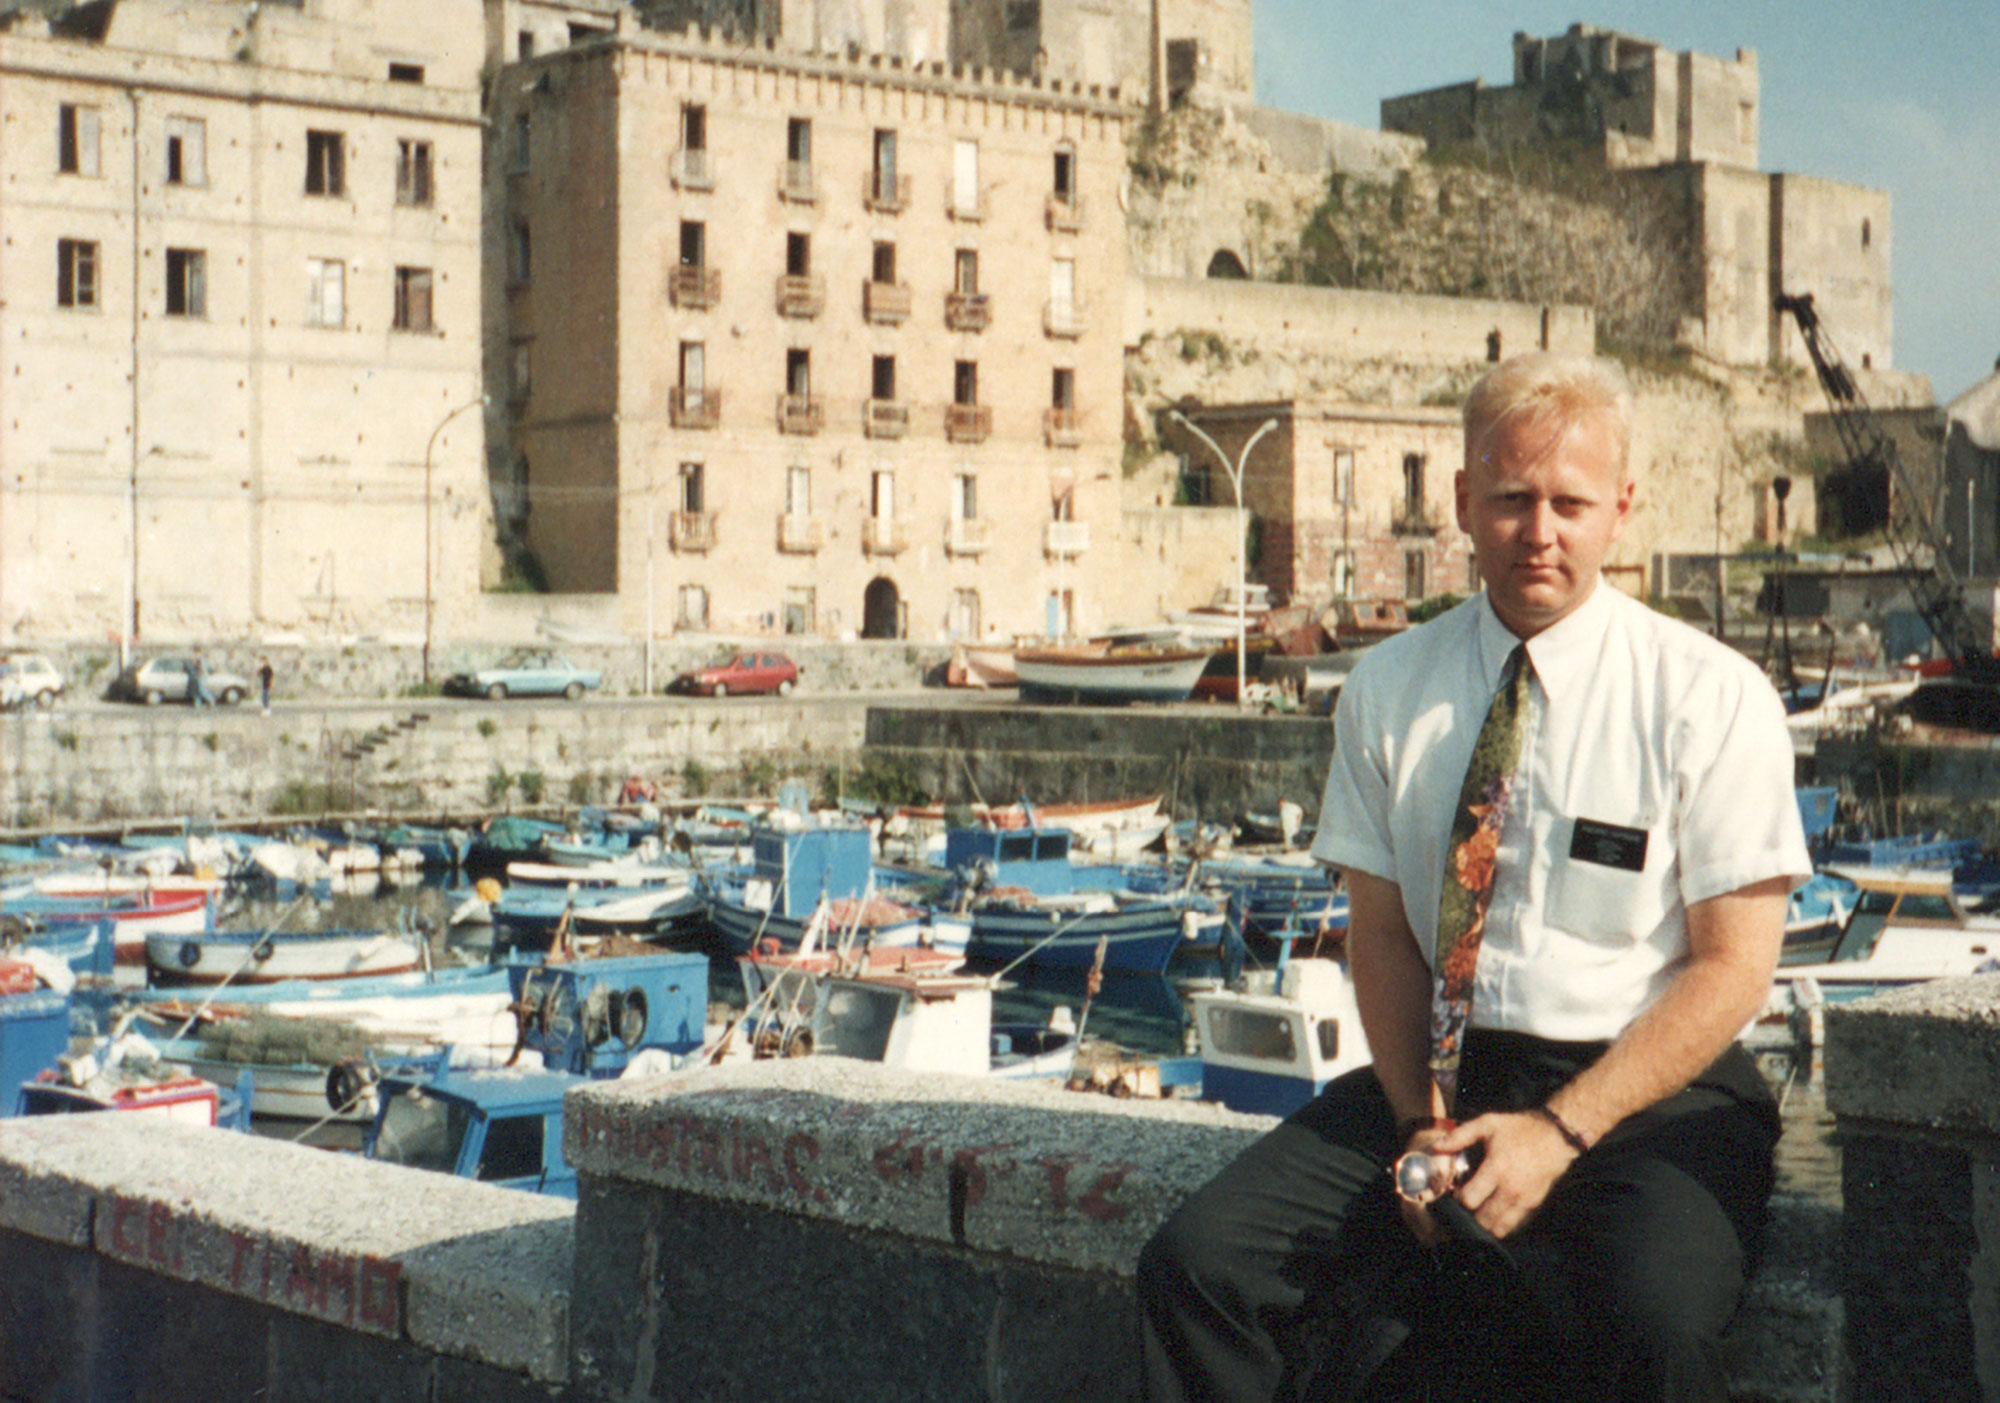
column 1524, row 1155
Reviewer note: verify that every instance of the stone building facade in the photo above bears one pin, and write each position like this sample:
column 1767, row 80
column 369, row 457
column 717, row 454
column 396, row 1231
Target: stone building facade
column 1348, row 501
column 802, row 344
column 241, row 325
column 1686, row 126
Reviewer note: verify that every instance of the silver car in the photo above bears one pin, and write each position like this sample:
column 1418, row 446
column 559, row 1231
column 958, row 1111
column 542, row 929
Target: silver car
column 166, row 679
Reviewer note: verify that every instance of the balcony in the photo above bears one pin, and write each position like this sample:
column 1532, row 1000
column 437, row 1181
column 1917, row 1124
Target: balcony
column 692, row 532
column 693, row 408
column 796, row 183
column 799, row 534
column 885, row 194
column 885, row 304
column 799, row 414
column 693, row 169
column 1065, row 216
column 884, row 535
column 968, row 423
column 694, row 287
column 885, row 418
column 1063, row 428
column 1064, row 319
column 963, row 537
column 1066, row 539
column 966, row 311
column 1416, row 519
column 971, row 211
column 801, row 294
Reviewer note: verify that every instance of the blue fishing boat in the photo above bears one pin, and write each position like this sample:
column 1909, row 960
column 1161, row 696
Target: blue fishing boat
column 1022, row 894
column 824, row 874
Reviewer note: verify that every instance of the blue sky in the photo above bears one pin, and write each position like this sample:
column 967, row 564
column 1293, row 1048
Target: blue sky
column 1893, row 96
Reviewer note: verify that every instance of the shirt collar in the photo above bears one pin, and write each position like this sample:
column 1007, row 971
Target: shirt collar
column 1561, row 653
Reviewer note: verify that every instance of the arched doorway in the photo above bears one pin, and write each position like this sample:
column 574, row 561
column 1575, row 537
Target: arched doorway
column 881, row 610
column 1227, row 265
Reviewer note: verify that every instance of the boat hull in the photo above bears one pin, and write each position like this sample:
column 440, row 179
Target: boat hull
column 1108, row 679
column 1142, row 937
column 256, row 957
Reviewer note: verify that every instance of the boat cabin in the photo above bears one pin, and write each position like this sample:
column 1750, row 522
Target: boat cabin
column 1033, row 858
column 498, row 1125
column 793, row 868
column 34, row 1030
column 1907, row 898
column 592, row 1016
column 1271, row 1046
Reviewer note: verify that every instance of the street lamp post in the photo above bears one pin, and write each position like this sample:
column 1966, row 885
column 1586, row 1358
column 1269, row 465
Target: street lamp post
column 428, row 449
column 1235, row 472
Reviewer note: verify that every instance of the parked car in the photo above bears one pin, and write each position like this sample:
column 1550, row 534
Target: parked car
column 33, row 678
column 746, row 672
column 166, row 679
column 526, row 672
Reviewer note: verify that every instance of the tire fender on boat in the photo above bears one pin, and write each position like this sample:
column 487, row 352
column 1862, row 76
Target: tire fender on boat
column 347, row 1083
column 264, row 948
column 189, row 954
column 628, row 1015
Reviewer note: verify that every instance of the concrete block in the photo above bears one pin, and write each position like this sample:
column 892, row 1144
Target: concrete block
column 465, row 1268
column 1032, row 1173
column 1926, row 1055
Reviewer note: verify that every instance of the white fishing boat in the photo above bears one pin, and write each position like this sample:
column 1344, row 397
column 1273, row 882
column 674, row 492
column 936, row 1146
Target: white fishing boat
column 1107, row 676
column 1906, row 926
column 264, row 957
column 1272, row 1040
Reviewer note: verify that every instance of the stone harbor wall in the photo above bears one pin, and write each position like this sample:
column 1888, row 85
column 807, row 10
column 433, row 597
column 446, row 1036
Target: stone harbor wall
column 812, row 1229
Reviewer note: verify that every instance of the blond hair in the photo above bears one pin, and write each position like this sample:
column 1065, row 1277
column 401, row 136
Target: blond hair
column 1548, row 387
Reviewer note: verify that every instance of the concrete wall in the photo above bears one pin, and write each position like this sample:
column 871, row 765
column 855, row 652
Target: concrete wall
column 1281, row 319
column 812, row 1229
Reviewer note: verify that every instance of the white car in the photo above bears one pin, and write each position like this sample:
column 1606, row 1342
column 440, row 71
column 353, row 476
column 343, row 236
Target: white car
column 30, row 677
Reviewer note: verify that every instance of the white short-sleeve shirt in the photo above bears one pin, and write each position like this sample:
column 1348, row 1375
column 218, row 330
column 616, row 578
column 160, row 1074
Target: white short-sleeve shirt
column 1656, row 772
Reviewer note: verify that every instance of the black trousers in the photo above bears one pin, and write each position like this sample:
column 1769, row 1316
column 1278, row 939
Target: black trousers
column 1291, row 1275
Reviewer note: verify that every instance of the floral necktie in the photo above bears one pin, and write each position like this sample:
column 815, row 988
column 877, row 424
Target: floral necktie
column 1469, row 864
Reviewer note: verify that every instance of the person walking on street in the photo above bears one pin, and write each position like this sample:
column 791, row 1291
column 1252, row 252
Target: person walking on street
column 265, row 676
column 198, row 692
column 1568, row 829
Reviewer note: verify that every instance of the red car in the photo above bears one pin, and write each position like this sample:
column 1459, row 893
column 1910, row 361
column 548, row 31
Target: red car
column 746, row 672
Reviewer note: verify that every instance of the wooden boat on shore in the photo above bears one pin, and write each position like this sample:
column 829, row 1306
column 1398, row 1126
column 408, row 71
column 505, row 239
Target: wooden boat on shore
column 1105, row 676
column 981, row 665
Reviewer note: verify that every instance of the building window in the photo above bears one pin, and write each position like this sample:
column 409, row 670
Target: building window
column 1065, row 175
column 1413, row 574
column 965, row 179
column 76, row 139
column 520, row 369
column 413, row 299
column 326, row 163
column 691, row 494
column 694, row 243
column 884, row 264
column 965, row 497
column 801, row 608
column 693, row 374
column 1343, row 574
column 1062, row 389
column 965, row 382
column 524, row 45
column 187, row 151
column 965, row 272
column 694, row 127
column 406, row 73
column 798, row 254
column 882, row 381
column 1413, row 484
column 1343, row 477
column 798, row 490
column 799, row 157
column 798, row 373
column 691, row 610
column 76, row 273
column 883, row 187
column 882, row 495
column 187, row 282
column 965, row 613
column 413, row 172
column 326, row 292
column 520, row 253
column 523, row 140
column 1867, row 235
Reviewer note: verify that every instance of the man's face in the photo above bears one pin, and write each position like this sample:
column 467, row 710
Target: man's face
column 1542, row 509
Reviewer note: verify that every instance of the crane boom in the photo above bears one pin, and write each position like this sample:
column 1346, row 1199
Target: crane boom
column 1935, row 586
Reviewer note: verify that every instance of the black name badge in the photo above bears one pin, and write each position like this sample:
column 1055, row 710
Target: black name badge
column 1608, row 845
